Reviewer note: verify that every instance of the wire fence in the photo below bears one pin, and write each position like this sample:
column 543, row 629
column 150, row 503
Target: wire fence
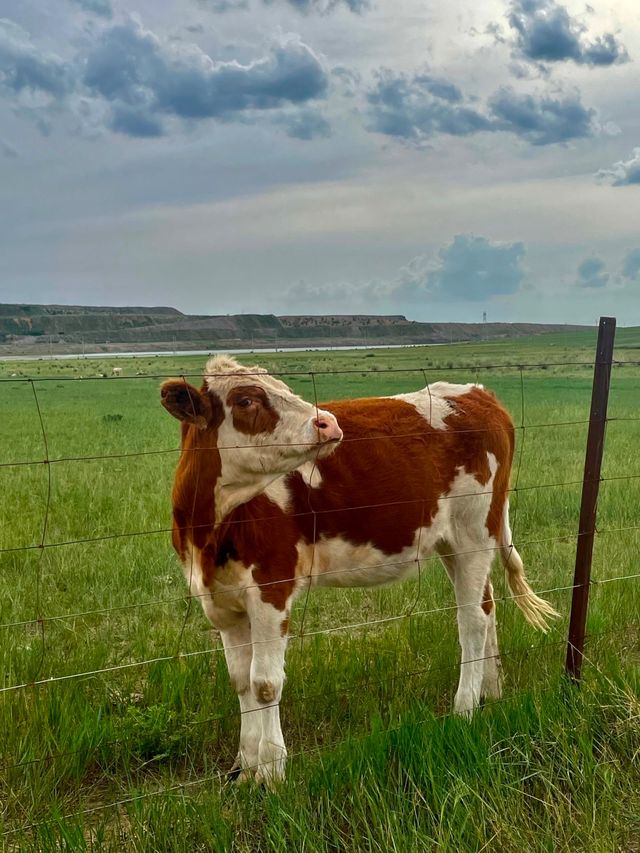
column 42, row 618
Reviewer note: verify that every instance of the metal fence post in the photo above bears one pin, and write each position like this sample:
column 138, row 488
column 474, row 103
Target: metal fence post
column 590, row 489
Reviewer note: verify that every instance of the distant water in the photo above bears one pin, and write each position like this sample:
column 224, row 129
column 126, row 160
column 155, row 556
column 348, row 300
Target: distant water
column 80, row 356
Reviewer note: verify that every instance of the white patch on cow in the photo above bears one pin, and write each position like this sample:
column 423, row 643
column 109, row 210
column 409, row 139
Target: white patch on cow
column 432, row 403
column 311, row 475
column 466, row 506
column 279, row 494
column 225, row 600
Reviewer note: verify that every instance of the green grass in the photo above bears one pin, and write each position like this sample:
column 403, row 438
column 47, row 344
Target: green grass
column 377, row 762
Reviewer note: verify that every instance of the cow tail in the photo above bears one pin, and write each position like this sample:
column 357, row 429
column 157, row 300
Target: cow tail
column 535, row 609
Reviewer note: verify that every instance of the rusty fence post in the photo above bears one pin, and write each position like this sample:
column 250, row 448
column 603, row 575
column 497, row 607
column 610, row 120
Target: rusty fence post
column 590, row 489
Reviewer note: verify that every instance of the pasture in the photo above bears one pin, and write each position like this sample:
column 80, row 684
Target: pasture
column 132, row 704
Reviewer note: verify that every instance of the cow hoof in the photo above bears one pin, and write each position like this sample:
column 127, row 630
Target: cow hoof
column 234, row 773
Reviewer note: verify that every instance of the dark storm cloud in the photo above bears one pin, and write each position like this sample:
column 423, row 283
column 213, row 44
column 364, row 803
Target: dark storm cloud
column 631, row 265
column 418, row 107
column 132, row 67
column 623, row 172
column 545, row 32
column 541, row 120
column 102, row 8
column 23, row 67
column 592, row 274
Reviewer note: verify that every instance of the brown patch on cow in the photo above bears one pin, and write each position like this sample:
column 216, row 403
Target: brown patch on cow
column 198, row 470
column 265, row 692
column 284, row 627
column 251, row 410
column 484, row 426
column 487, row 599
column 261, row 534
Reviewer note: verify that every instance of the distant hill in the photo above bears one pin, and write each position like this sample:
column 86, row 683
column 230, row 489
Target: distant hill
column 26, row 328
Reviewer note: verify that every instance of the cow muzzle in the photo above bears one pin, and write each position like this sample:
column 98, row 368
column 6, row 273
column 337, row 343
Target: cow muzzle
column 326, row 428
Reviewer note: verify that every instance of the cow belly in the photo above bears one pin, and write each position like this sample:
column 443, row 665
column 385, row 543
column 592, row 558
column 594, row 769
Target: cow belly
column 337, row 562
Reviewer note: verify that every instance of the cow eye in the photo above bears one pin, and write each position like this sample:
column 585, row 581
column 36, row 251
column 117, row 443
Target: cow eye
column 245, row 402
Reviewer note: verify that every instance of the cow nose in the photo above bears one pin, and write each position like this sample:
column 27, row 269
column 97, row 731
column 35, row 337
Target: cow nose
column 327, row 427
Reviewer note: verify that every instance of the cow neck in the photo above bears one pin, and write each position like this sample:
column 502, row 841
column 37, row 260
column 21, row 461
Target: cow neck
column 229, row 496
column 201, row 500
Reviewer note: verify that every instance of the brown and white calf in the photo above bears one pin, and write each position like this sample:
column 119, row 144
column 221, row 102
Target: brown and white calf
column 273, row 494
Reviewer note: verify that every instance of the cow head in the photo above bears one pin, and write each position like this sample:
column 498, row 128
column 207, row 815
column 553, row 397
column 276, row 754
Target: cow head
column 262, row 429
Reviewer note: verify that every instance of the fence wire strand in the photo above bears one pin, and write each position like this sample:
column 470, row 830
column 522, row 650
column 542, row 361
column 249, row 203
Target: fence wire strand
column 291, row 638
column 264, row 519
column 43, row 545
column 509, row 654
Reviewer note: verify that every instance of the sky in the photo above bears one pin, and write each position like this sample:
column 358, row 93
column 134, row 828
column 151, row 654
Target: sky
column 438, row 160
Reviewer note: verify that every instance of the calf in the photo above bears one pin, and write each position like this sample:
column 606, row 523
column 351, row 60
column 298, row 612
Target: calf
column 272, row 495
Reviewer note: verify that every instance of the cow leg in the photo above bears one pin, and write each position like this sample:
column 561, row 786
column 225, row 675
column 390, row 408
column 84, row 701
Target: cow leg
column 269, row 637
column 492, row 677
column 469, row 573
column 237, row 649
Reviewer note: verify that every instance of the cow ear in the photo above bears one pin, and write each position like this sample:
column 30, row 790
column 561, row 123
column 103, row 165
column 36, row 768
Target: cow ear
column 189, row 405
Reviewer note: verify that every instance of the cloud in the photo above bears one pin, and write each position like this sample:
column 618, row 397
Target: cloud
column 348, row 79
column 474, row 268
column 134, row 121
column 7, row 149
column 25, row 69
column 631, row 265
column 592, row 273
column 543, row 120
column 469, row 269
column 545, row 32
column 305, row 124
column 305, row 7
column 144, row 79
column 102, row 8
column 419, row 107
column 623, row 172
column 222, row 6
column 324, row 7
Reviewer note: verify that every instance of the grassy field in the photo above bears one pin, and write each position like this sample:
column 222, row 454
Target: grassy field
column 377, row 762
